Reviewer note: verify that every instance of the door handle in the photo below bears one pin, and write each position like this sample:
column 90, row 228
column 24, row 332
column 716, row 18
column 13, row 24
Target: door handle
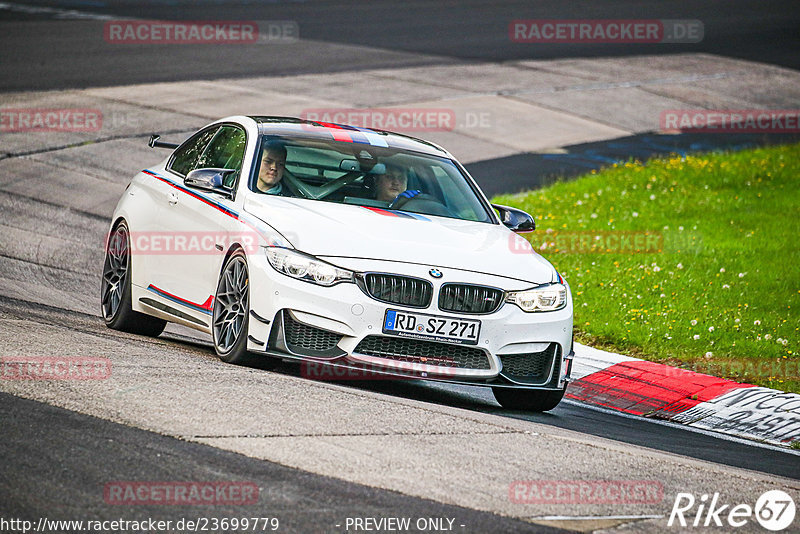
column 172, row 198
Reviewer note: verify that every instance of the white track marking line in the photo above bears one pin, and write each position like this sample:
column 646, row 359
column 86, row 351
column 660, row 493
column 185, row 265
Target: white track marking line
column 62, row 14
column 590, row 517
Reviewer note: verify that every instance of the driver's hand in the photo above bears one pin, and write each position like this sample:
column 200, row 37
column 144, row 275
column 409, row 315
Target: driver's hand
column 409, row 193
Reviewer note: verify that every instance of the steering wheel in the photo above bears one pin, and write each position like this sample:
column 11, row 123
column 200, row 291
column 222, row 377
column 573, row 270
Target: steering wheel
column 413, row 200
column 304, row 190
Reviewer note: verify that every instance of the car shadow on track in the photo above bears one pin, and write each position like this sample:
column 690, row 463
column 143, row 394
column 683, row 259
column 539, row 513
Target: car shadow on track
column 474, row 398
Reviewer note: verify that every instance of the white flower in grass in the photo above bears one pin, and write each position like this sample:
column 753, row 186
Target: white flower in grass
column 652, row 197
column 767, row 336
column 784, row 342
column 756, row 322
column 722, row 270
column 593, row 215
column 635, row 213
column 694, row 322
column 741, row 275
column 709, row 355
column 679, row 266
column 737, row 320
column 710, row 328
column 696, row 337
column 725, row 286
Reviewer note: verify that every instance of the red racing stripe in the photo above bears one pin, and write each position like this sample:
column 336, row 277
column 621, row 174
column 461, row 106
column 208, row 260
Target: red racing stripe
column 382, row 212
column 338, row 133
column 648, row 388
column 207, row 305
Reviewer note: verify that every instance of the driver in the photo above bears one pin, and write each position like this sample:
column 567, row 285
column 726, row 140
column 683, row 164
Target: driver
column 391, row 184
column 270, row 173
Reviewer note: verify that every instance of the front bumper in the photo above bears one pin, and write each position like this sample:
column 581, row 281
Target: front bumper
column 283, row 308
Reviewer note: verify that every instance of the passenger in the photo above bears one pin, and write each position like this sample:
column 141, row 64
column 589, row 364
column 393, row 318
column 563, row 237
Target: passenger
column 273, row 163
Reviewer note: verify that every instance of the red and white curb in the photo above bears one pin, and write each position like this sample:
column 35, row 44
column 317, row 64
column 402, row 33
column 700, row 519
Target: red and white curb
column 655, row 390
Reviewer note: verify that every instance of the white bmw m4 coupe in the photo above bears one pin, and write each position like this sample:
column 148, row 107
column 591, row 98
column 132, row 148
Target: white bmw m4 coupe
column 338, row 246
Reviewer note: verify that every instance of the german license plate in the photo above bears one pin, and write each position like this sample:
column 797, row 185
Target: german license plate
column 431, row 327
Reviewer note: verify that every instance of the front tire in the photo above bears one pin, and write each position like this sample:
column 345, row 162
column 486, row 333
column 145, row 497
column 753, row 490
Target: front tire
column 531, row 400
column 231, row 309
column 115, row 291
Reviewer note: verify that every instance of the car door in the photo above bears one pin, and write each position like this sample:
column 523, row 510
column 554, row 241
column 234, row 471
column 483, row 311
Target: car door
column 199, row 222
column 163, row 189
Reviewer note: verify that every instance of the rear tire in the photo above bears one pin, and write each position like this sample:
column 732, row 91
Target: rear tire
column 531, row 400
column 115, row 291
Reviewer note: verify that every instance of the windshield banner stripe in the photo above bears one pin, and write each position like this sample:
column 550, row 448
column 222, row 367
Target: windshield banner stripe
column 373, row 138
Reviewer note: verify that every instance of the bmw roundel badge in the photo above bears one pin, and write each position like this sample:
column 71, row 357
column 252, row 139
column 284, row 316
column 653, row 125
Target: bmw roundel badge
column 436, row 273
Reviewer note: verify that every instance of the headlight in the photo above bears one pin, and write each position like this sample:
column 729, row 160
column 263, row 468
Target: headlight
column 305, row 267
column 550, row 297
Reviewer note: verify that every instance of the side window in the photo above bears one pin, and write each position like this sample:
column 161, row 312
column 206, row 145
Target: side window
column 186, row 157
column 225, row 151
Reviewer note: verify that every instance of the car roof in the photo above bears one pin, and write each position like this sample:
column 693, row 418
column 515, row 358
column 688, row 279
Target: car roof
column 294, row 127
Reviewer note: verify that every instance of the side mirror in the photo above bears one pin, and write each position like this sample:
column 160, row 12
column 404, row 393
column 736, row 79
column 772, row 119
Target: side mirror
column 515, row 220
column 210, row 180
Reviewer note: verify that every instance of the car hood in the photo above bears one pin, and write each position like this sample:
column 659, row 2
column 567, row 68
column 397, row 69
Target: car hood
column 341, row 230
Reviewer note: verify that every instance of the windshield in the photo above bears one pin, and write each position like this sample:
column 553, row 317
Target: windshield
column 350, row 173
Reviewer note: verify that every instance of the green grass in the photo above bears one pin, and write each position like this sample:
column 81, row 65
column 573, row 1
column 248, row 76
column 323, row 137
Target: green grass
column 720, row 293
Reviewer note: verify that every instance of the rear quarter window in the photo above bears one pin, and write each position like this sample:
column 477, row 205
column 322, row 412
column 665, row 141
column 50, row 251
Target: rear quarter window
column 186, row 157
